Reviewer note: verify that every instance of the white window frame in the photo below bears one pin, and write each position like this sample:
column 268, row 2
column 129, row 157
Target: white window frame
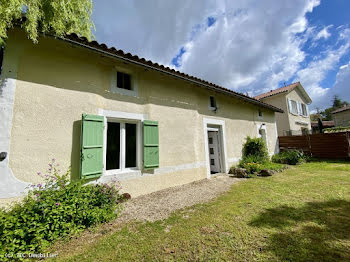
column 122, row 156
column 290, row 105
column 133, row 79
column 123, row 118
column 306, row 110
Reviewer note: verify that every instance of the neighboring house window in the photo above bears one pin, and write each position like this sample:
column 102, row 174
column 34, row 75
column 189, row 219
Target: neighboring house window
column 260, row 114
column 124, row 81
column 304, row 110
column 293, row 107
column 121, row 151
column 297, row 108
column 1, row 58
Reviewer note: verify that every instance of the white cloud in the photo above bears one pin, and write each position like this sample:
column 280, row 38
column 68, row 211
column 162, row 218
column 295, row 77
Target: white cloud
column 251, row 47
column 246, row 39
column 152, row 29
column 324, row 33
column 344, row 66
column 316, row 71
column 341, row 87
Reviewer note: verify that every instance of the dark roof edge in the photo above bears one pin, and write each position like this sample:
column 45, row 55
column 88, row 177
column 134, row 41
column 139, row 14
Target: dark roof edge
column 86, row 44
column 341, row 109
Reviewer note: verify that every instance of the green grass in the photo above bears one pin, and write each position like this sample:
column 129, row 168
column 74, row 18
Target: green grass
column 301, row 214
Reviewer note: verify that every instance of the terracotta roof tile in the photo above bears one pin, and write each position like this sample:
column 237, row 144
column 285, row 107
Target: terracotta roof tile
column 277, row 91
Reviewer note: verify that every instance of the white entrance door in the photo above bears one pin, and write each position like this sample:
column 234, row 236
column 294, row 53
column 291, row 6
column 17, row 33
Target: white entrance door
column 214, row 153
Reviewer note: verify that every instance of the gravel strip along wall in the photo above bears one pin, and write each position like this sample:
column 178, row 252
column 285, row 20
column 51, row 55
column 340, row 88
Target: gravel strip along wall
column 159, row 205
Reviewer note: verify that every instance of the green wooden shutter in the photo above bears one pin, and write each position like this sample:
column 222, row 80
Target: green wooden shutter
column 91, row 146
column 150, row 144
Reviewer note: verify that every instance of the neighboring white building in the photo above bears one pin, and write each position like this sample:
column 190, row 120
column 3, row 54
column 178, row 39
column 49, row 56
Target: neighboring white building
column 294, row 101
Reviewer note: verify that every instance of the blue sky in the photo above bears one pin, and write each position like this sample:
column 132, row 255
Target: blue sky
column 248, row 46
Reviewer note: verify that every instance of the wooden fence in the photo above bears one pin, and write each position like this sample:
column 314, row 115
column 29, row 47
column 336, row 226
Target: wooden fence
column 332, row 145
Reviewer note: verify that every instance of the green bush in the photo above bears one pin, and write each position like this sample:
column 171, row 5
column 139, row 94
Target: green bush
column 53, row 210
column 253, row 166
column 255, row 155
column 337, row 129
column 290, row 157
column 255, row 148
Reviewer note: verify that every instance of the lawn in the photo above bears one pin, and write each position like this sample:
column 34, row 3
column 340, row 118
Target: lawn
column 301, row 214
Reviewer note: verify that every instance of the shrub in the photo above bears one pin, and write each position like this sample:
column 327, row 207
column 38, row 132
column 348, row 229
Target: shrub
column 256, row 167
column 254, row 155
column 290, row 157
column 53, row 210
column 256, row 149
column 337, row 129
column 240, row 172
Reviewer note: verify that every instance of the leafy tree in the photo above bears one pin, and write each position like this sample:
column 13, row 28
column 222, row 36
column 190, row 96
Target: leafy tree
column 327, row 114
column 337, row 103
column 56, row 17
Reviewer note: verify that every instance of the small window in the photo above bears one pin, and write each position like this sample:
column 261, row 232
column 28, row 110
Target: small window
column 1, row 58
column 123, row 81
column 212, row 102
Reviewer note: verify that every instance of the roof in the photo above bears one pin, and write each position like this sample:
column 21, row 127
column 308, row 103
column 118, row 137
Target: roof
column 285, row 89
column 344, row 108
column 324, row 123
column 127, row 57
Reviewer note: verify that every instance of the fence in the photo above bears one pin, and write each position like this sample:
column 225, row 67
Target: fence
column 332, row 145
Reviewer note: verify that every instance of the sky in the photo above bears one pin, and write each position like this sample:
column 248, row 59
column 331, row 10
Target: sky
column 244, row 45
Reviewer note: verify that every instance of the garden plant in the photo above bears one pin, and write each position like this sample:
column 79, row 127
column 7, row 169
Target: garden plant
column 54, row 209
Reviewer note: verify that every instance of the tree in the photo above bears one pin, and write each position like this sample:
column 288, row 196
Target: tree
column 56, row 17
column 337, row 103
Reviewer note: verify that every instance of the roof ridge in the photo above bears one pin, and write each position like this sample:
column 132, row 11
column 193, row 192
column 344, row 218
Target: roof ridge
column 278, row 90
column 341, row 109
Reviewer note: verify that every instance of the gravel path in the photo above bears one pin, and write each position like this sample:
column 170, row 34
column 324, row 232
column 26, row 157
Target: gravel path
column 160, row 204
column 152, row 207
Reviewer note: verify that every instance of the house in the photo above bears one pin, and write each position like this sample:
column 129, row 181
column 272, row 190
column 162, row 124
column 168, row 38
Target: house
column 294, row 101
column 325, row 124
column 110, row 115
column 341, row 116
